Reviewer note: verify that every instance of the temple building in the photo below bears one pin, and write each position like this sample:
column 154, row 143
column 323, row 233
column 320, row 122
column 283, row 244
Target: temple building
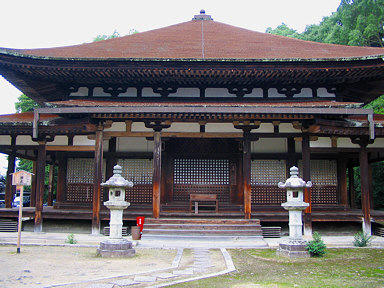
column 200, row 107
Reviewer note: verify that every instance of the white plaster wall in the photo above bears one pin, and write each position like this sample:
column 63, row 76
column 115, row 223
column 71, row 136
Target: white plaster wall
column 134, row 144
column 186, row 92
column 322, row 142
column 272, row 93
column 288, row 128
column 322, row 92
column 269, row 145
column 83, row 91
column 59, row 140
column 131, row 92
column 25, row 140
column 379, row 143
column 218, row 92
column 305, row 93
column 264, row 128
column 82, row 140
column 99, row 92
column 116, row 127
column 140, row 127
column 184, row 127
column 256, row 93
column 5, row 140
column 298, row 146
column 346, row 143
column 148, row 92
column 221, row 127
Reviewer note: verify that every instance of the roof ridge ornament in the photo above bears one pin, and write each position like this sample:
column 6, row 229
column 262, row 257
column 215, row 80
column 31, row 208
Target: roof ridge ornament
column 202, row 16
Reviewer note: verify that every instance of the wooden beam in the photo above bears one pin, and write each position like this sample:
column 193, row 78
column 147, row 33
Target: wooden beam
column 70, row 148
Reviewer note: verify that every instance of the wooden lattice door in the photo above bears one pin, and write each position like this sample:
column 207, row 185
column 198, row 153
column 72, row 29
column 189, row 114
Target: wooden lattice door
column 207, row 176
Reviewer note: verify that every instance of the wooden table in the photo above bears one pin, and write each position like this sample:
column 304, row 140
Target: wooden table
column 203, row 200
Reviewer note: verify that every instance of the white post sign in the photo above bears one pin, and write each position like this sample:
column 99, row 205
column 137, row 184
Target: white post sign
column 21, row 179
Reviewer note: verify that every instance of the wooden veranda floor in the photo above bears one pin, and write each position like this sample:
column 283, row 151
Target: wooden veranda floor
column 263, row 213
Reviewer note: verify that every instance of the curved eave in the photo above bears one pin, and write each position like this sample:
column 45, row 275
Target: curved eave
column 15, row 53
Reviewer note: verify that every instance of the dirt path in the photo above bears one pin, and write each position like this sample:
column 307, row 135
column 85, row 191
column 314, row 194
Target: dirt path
column 42, row 266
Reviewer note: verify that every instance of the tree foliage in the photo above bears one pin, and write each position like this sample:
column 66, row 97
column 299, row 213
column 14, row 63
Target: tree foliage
column 356, row 23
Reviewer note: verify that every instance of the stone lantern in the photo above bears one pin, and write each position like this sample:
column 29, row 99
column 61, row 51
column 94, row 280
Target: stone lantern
column 295, row 246
column 116, row 245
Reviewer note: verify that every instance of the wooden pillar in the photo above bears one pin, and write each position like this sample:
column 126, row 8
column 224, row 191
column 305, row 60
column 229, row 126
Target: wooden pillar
column 9, row 189
column 342, row 181
column 156, row 180
column 98, row 169
column 306, row 158
column 351, row 186
column 33, row 186
column 51, row 184
column 61, row 180
column 40, row 186
column 364, row 183
column 247, row 173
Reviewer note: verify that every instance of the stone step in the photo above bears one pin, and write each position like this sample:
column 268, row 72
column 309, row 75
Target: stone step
column 201, row 232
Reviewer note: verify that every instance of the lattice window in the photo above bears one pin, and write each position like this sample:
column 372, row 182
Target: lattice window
column 139, row 171
column 268, row 172
column 324, row 194
column 323, row 172
column 80, row 170
column 268, row 195
column 201, row 171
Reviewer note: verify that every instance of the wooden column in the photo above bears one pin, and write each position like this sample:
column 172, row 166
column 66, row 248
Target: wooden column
column 156, row 180
column 40, row 186
column 247, row 173
column 364, row 183
column 306, row 158
column 98, row 169
column 342, row 181
column 9, row 189
column 33, row 186
column 51, row 184
column 61, row 179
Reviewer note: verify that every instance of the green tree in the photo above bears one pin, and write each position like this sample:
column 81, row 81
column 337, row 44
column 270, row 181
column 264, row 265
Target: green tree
column 25, row 104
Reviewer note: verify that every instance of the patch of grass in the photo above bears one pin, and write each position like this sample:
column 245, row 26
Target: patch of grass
column 337, row 268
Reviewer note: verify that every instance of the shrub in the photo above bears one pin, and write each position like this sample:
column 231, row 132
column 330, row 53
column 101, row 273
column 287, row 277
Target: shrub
column 361, row 239
column 316, row 247
column 71, row 239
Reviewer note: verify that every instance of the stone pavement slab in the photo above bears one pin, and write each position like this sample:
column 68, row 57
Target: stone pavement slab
column 165, row 275
column 124, row 282
column 144, row 278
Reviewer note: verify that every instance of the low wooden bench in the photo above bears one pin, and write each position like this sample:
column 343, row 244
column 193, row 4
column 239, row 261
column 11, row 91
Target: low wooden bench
column 203, row 200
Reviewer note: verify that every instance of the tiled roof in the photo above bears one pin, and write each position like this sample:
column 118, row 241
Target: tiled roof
column 201, row 39
column 26, row 117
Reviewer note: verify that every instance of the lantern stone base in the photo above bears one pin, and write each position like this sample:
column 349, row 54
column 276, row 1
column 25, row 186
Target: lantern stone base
column 293, row 248
column 119, row 248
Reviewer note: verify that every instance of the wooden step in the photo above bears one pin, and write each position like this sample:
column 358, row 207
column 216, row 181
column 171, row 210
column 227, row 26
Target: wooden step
column 271, row 232
column 8, row 225
column 201, row 221
column 193, row 228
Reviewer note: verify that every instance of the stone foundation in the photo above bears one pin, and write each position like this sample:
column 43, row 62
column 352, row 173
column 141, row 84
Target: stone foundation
column 293, row 249
column 120, row 248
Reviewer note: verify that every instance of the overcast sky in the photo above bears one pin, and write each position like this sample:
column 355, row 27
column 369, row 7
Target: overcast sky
column 53, row 23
